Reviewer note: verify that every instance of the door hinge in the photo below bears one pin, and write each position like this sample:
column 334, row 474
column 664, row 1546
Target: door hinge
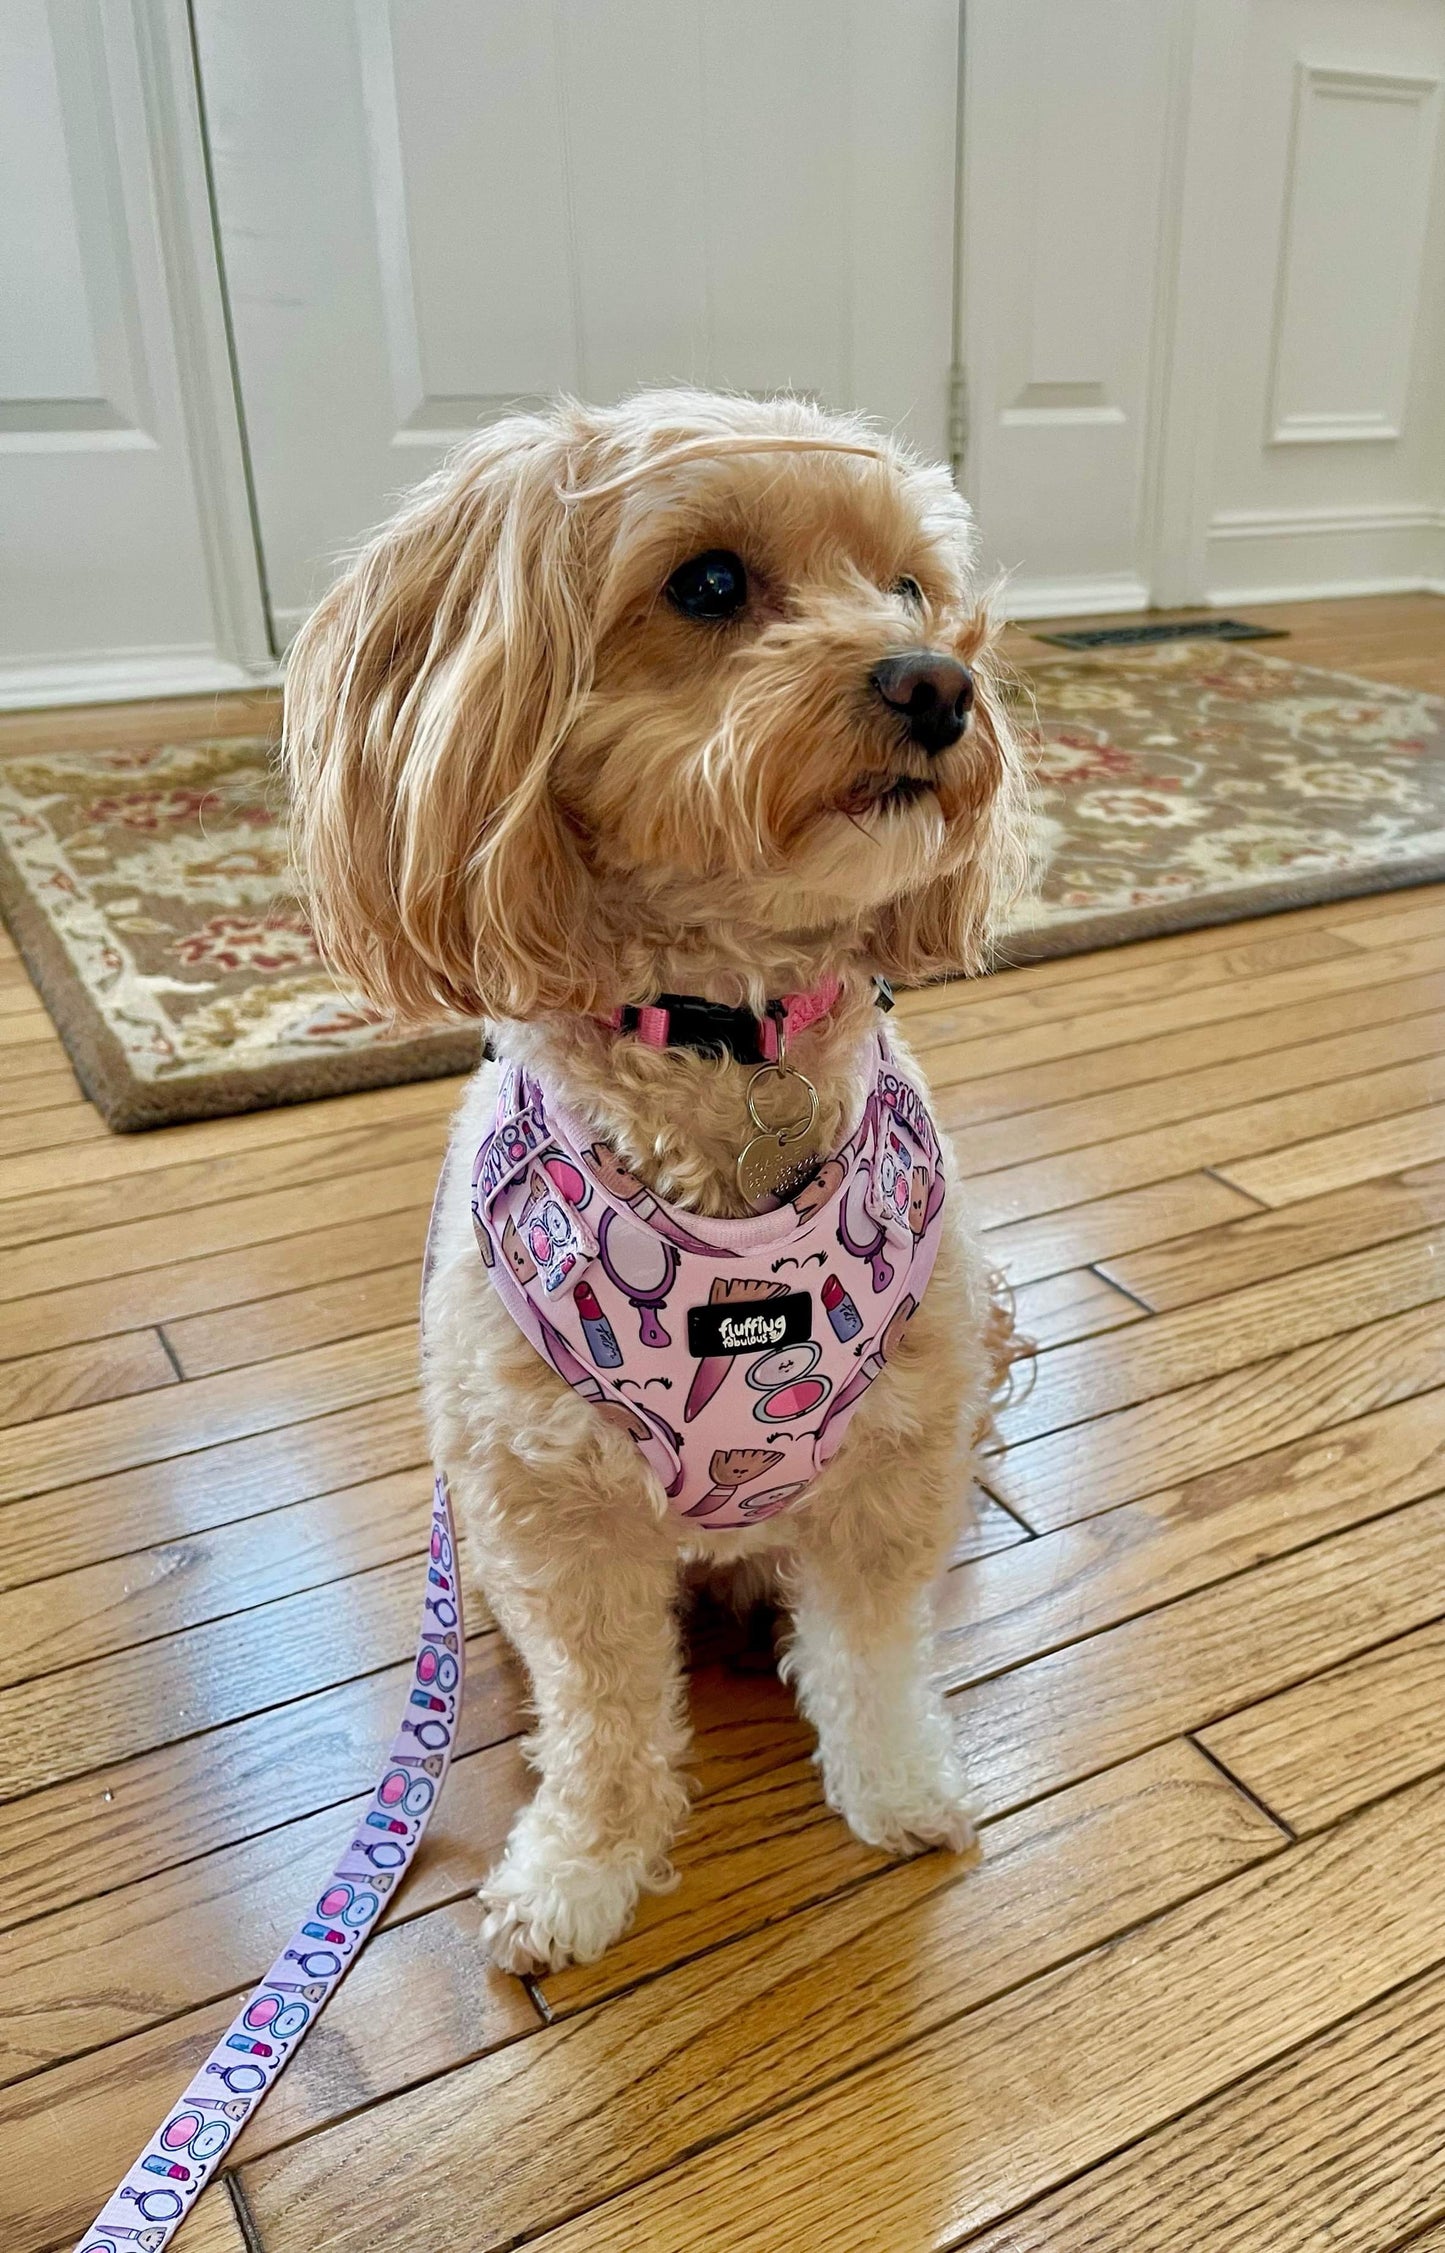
column 957, row 417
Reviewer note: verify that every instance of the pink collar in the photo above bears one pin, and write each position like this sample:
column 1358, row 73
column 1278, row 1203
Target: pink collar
column 684, row 1021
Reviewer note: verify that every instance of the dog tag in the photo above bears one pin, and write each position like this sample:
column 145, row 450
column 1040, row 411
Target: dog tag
column 771, row 1166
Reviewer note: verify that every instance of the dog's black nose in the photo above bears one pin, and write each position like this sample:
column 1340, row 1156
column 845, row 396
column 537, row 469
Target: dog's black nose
column 928, row 690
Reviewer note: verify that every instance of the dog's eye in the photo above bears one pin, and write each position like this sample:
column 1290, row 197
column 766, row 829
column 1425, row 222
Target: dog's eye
column 712, row 586
column 910, row 590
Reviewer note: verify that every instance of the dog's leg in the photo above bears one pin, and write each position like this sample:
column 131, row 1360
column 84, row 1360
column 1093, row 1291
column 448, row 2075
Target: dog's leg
column 586, row 1591
column 861, row 1659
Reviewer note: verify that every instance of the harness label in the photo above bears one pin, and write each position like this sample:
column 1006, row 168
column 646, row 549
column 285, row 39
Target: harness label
column 750, row 1328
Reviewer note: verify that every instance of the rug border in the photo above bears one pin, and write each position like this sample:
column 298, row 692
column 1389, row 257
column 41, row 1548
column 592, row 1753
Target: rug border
column 1120, row 927
column 130, row 1105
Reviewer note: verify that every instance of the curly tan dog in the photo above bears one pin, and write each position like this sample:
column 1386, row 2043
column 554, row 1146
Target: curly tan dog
column 685, row 698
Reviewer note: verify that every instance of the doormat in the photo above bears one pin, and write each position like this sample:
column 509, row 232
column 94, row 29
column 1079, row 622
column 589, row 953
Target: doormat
column 1184, row 783
column 149, row 887
column 150, row 893
column 1173, row 629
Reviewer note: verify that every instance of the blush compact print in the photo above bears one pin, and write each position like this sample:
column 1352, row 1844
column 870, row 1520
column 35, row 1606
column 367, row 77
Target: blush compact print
column 789, row 1384
column 636, row 1293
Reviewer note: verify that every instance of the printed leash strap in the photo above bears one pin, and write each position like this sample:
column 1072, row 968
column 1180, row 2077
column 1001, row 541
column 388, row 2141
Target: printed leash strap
column 148, row 2208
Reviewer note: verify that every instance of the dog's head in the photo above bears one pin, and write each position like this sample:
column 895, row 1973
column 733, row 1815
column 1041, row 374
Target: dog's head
column 694, row 679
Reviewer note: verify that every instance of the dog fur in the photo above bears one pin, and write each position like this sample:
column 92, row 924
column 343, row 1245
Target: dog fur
column 528, row 789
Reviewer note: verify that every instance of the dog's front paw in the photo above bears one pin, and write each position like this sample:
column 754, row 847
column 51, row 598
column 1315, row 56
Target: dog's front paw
column 540, row 1918
column 916, row 1803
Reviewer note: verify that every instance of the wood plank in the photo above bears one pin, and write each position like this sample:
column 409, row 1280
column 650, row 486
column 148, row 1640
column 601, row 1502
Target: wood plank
column 112, row 727
column 1015, row 998
column 1178, row 1435
column 121, row 1434
column 109, row 1968
column 159, row 1591
column 1193, row 1342
column 959, row 2123
column 132, row 1157
column 1338, row 2145
column 1219, row 1139
column 1335, row 1161
column 212, row 2225
column 1070, row 969
column 39, row 1385
column 987, row 1528
column 1258, row 1245
column 1078, row 1304
column 1195, row 1093
column 55, row 1128
column 1101, row 1228
column 113, row 2100
column 260, row 1268
column 980, row 1054
column 47, row 1086
column 1130, row 1063
column 1189, row 1664
column 665, row 2057
column 199, row 1205
column 24, row 1024
column 1399, row 929
column 1015, row 1605
column 185, row 1495
column 134, row 1701
column 164, row 1808
column 1327, row 1746
column 293, row 1321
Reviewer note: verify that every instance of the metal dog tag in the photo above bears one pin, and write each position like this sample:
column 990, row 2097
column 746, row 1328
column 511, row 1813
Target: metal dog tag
column 769, row 1166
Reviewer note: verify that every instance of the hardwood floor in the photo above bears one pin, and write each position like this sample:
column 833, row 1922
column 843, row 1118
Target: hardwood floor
column 1193, row 1997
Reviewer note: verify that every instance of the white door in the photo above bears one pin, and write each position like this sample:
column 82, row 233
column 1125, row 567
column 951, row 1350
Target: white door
column 127, row 564
column 430, row 213
column 1203, row 303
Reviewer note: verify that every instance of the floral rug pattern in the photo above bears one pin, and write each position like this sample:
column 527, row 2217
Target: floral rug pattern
column 151, row 892
column 161, row 878
column 1180, row 783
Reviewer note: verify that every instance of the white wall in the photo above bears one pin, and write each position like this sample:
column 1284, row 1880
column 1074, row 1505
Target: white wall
column 126, row 561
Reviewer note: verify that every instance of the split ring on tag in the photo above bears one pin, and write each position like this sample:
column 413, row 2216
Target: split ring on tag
column 768, row 1165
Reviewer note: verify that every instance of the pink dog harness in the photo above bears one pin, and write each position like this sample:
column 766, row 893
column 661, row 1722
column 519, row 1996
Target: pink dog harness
column 731, row 1352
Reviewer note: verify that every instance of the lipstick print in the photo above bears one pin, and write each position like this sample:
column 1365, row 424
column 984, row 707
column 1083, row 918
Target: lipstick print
column 841, row 1312
column 596, row 1329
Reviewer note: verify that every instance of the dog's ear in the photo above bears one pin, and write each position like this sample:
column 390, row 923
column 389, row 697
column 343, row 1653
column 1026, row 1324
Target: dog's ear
column 943, row 930
column 426, row 700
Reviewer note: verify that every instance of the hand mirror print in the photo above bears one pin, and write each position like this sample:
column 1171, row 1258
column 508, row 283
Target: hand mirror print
column 642, row 1266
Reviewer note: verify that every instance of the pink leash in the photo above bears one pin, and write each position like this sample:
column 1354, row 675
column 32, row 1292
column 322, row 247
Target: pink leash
column 158, row 2192
column 148, row 2207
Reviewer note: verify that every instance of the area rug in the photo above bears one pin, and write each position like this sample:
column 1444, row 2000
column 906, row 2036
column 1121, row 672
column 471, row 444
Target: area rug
column 1189, row 783
column 149, row 887
column 151, row 895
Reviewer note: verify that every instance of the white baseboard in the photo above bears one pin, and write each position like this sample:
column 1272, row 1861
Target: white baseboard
column 1086, row 596
column 122, row 677
column 1302, row 555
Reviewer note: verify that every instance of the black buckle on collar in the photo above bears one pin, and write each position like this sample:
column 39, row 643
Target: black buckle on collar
column 710, row 1028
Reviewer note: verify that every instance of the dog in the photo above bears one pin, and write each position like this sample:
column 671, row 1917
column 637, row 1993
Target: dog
column 687, row 697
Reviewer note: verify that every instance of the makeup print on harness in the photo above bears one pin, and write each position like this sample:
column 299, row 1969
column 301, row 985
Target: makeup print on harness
column 558, row 1243
column 854, row 1242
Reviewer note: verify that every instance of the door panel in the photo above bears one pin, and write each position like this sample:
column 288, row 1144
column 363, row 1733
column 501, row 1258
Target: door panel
column 128, row 564
column 431, row 213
